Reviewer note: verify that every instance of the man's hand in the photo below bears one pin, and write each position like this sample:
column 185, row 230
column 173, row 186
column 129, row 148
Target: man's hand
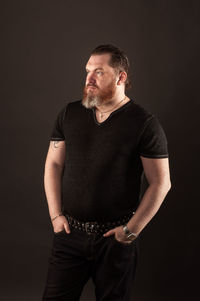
column 61, row 223
column 119, row 235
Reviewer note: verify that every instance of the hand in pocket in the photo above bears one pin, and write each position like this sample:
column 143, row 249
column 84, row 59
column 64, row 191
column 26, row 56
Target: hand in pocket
column 60, row 224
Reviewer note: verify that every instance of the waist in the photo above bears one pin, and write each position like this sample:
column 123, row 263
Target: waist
column 96, row 227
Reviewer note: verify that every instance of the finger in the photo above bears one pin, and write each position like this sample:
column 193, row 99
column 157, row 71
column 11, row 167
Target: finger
column 110, row 232
column 128, row 241
column 67, row 228
column 125, row 242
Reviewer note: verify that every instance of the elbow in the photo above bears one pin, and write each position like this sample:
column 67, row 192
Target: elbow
column 164, row 185
column 168, row 185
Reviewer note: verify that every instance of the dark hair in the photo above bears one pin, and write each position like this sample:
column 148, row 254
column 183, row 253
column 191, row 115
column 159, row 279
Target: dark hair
column 119, row 60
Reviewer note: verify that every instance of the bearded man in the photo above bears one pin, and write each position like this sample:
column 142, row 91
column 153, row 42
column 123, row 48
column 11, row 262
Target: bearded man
column 100, row 146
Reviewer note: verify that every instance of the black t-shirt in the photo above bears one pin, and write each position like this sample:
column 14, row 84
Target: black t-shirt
column 103, row 168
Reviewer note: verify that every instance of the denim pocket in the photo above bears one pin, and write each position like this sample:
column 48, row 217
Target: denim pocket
column 60, row 232
column 122, row 243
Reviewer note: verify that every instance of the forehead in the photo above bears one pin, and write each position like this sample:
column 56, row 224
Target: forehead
column 99, row 61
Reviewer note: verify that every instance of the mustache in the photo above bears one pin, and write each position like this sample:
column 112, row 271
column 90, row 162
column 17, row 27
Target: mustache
column 91, row 85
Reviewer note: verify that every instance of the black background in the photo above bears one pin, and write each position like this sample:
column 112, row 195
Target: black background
column 44, row 48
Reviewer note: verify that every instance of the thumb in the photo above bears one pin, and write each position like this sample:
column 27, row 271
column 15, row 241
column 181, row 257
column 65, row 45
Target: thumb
column 66, row 226
column 109, row 233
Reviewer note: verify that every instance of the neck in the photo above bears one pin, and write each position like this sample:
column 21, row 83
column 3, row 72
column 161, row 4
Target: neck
column 109, row 104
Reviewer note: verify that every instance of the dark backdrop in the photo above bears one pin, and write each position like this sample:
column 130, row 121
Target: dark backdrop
column 44, row 48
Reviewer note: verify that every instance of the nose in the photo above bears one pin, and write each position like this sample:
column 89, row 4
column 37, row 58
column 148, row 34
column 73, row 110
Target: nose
column 91, row 79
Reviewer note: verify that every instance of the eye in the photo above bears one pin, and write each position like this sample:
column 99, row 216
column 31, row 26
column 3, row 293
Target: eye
column 99, row 72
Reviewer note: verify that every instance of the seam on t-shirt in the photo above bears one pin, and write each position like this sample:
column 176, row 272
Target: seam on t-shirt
column 56, row 139
column 63, row 117
column 154, row 156
column 65, row 111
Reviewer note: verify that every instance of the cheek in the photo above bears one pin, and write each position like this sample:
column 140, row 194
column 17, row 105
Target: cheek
column 104, row 82
column 109, row 84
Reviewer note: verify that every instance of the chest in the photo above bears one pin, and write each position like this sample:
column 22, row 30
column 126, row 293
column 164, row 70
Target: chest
column 101, row 117
column 110, row 137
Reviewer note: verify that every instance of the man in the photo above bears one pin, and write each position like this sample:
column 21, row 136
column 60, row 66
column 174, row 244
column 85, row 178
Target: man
column 100, row 146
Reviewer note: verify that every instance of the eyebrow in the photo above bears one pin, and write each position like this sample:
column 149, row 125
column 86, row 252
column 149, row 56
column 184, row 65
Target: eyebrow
column 95, row 69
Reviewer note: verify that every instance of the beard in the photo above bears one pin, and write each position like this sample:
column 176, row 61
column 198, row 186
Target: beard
column 97, row 96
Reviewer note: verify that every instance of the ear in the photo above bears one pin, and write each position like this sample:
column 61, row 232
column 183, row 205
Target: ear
column 122, row 78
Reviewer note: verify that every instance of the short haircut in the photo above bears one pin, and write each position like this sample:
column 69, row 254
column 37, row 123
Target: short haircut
column 119, row 60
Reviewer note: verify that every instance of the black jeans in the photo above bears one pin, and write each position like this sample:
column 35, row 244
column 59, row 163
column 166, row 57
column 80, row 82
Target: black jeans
column 77, row 256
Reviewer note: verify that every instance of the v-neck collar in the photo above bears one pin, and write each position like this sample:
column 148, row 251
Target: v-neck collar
column 111, row 114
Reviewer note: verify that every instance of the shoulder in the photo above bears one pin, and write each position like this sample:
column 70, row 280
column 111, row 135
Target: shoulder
column 75, row 103
column 75, row 108
column 139, row 114
column 72, row 105
column 141, row 111
column 150, row 121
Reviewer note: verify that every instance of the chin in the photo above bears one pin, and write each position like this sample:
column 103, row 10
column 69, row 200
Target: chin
column 90, row 102
column 90, row 99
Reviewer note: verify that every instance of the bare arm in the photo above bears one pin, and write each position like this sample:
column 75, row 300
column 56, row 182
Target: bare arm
column 54, row 165
column 158, row 177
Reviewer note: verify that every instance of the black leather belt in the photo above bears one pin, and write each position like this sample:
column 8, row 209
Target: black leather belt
column 96, row 227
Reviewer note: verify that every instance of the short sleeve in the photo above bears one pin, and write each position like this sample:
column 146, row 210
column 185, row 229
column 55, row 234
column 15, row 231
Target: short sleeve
column 153, row 141
column 57, row 133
